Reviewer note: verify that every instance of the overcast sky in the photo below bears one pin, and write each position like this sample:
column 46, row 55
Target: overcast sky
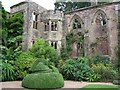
column 48, row 4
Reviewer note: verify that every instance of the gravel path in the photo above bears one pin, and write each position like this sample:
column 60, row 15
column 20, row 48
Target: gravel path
column 68, row 84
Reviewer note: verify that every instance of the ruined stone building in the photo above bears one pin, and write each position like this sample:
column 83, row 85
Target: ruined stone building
column 97, row 23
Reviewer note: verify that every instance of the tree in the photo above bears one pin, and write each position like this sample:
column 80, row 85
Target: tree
column 70, row 5
column 15, row 25
column 42, row 49
column 11, row 32
column 3, row 14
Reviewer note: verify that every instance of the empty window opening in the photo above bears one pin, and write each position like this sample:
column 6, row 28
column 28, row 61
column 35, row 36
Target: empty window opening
column 101, row 19
column 46, row 24
column 35, row 19
column 76, row 24
column 54, row 26
column 54, row 44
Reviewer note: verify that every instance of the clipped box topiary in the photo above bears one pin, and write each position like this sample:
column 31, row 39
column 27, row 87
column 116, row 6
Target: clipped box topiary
column 43, row 77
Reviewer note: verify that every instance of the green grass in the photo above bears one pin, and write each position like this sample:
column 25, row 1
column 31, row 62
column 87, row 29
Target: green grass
column 101, row 87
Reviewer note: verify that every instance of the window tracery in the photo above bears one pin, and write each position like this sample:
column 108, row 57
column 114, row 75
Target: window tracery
column 76, row 24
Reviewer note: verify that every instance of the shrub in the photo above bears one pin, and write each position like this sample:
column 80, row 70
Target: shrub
column 93, row 77
column 67, row 69
column 43, row 77
column 7, row 71
column 42, row 49
column 60, row 64
column 23, row 64
column 43, row 81
column 107, row 73
column 76, row 69
column 40, row 67
column 96, row 59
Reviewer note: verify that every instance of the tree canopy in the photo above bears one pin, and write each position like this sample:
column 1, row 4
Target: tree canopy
column 70, row 5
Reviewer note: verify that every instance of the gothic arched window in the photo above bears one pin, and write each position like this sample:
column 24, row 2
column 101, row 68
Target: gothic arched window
column 101, row 19
column 101, row 33
column 76, row 24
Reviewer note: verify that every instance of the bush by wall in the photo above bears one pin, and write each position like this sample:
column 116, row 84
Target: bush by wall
column 96, row 59
column 76, row 69
column 107, row 73
column 23, row 64
column 7, row 71
column 42, row 49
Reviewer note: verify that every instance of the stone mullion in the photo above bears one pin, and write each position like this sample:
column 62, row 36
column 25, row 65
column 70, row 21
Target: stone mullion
column 49, row 25
column 49, row 35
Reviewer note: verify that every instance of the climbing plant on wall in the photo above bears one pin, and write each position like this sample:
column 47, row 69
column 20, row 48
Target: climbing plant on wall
column 66, row 52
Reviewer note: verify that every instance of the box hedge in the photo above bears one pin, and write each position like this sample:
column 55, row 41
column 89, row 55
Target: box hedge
column 43, row 81
column 43, row 77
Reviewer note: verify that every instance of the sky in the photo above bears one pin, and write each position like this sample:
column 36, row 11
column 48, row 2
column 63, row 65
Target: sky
column 48, row 4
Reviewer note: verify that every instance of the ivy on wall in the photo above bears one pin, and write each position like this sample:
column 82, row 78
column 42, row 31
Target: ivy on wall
column 66, row 52
column 118, row 52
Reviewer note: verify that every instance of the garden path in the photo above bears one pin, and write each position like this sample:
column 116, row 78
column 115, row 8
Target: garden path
column 74, row 85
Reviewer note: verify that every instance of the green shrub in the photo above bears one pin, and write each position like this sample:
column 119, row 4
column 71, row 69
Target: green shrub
column 7, row 71
column 67, row 69
column 54, row 69
column 60, row 64
column 43, row 77
column 76, row 69
column 23, row 64
column 42, row 49
column 43, row 80
column 40, row 67
column 96, row 59
column 93, row 77
column 107, row 73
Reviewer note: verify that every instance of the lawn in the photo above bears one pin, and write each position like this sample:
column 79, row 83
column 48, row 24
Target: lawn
column 101, row 87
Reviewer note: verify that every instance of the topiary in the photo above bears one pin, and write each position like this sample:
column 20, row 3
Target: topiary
column 43, row 81
column 43, row 77
column 40, row 67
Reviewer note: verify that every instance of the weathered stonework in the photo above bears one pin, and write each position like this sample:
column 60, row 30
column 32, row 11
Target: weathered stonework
column 54, row 26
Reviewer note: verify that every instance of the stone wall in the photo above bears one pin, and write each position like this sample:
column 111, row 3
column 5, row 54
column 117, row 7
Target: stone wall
column 87, row 16
column 28, row 8
column 52, row 36
column 63, row 23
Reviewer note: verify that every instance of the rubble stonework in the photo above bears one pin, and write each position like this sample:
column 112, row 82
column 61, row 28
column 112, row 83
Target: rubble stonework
column 54, row 26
